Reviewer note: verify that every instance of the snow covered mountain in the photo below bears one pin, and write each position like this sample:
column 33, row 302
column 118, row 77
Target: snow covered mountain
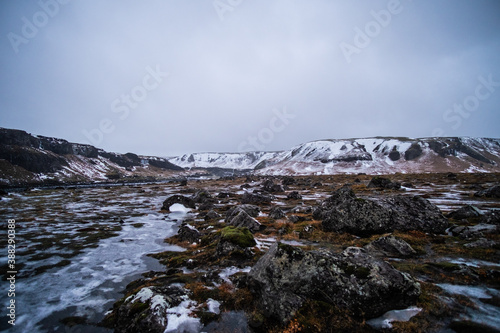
column 27, row 159
column 379, row 155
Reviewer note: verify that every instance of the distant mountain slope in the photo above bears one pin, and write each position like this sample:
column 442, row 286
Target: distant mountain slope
column 28, row 159
column 25, row 158
column 379, row 155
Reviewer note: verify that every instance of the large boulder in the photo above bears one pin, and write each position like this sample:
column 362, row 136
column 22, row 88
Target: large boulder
column 180, row 199
column 245, row 220
column 465, row 212
column 344, row 212
column 188, row 233
column 256, row 198
column 251, row 210
column 286, row 277
column 384, row 183
column 148, row 310
column 492, row 192
column 235, row 240
column 390, row 246
column 269, row 186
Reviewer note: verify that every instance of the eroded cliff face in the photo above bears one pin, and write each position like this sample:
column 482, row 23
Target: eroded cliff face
column 28, row 159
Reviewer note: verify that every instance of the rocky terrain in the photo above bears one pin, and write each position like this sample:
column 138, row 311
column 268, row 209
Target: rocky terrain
column 414, row 253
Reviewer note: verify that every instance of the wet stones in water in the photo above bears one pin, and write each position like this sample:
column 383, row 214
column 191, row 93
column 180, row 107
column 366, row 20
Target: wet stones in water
column 286, row 277
column 188, row 233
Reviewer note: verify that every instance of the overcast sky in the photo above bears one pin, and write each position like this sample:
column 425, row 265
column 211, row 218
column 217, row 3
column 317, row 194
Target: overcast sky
column 171, row 77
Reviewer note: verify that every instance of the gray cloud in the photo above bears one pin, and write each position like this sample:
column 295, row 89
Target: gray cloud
column 227, row 76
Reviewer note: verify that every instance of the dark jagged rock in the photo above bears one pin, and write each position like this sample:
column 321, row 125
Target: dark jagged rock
column 481, row 243
column 135, row 315
column 492, row 192
column 188, row 233
column 286, row 277
column 288, row 181
column 235, row 241
column 211, row 215
column 276, row 213
column 385, row 183
column 296, row 218
column 202, row 196
column 391, row 246
column 251, row 210
column 394, row 155
column 180, row 199
column 465, row 212
column 413, row 152
column 245, row 220
column 475, row 231
column 491, row 217
column 294, row 195
column 269, row 186
column 344, row 212
column 256, row 198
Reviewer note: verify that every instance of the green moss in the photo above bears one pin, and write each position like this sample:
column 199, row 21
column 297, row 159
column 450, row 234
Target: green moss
column 137, row 307
column 358, row 271
column 240, row 236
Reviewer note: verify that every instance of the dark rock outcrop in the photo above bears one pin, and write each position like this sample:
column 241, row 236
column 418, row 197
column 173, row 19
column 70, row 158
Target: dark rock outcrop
column 256, row 198
column 344, row 212
column 251, row 210
column 269, row 186
column 276, row 213
column 492, row 192
column 413, row 152
column 235, row 241
column 390, row 246
column 465, row 212
column 286, row 277
column 180, row 199
column 385, row 183
column 245, row 220
column 294, row 195
column 188, row 233
column 146, row 311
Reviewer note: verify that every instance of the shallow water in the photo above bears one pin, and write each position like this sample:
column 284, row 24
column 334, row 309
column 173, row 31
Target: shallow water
column 94, row 278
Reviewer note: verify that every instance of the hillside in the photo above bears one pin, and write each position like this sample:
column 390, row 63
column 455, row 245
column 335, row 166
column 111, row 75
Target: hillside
column 28, row 159
column 379, row 155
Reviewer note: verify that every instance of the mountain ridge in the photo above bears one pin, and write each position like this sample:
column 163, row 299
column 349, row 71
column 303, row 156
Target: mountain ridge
column 25, row 159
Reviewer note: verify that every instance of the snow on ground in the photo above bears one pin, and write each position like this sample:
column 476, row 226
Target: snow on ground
column 385, row 321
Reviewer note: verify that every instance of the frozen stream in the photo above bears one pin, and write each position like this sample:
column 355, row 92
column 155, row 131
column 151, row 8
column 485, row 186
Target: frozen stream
column 94, row 279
